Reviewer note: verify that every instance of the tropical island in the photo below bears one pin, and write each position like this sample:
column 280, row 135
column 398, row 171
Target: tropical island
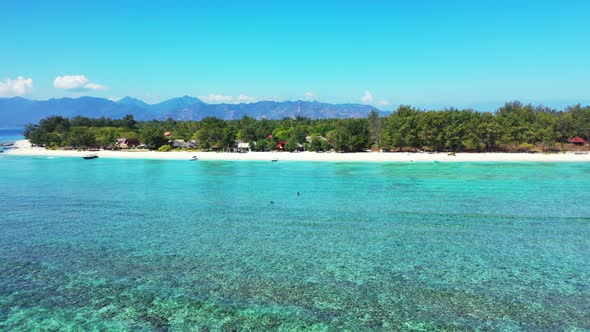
column 513, row 128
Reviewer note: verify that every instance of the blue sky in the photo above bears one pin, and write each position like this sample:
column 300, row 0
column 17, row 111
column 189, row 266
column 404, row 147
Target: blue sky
column 429, row 54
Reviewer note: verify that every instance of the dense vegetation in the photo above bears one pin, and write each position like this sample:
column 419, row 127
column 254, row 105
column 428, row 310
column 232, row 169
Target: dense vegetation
column 513, row 127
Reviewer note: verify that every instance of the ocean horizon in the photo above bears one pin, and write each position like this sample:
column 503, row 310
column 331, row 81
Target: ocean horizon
column 119, row 244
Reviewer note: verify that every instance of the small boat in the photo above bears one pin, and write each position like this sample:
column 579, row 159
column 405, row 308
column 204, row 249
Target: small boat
column 274, row 160
column 90, row 156
column 194, row 158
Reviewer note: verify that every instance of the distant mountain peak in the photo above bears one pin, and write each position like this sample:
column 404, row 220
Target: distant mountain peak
column 131, row 101
column 177, row 103
column 189, row 100
column 19, row 111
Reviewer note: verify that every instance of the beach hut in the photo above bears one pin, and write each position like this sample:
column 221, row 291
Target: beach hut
column 179, row 143
column 578, row 141
column 243, row 147
column 132, row 142
column 125, row 143
column 217, row 147
column 281, row 145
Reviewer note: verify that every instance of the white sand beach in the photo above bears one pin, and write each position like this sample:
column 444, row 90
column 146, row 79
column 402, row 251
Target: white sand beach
column 24, row 148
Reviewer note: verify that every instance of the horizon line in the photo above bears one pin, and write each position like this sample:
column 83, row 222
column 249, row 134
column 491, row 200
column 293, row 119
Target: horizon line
column 378, row 108
column 200, row 100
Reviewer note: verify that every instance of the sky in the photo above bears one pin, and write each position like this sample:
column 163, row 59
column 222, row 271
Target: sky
column 426, row 53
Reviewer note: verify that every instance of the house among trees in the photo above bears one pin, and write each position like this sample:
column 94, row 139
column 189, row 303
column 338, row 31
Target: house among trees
column 281, row 145
column 243, row 147
column 167, row 133
column 178, row 143
column 578, row 141
column 126, row 143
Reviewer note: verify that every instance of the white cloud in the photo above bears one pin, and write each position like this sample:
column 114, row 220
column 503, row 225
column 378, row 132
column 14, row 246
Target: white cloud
column 18, row 87
column 221, row 98
column 367, row 98
column 75, row 83
column 217, row 98
column 94, row 86
column 310, row 95
column 242, row 98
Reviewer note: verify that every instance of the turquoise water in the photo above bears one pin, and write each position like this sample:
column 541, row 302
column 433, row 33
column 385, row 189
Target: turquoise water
column 10, row 135
column 151, row 245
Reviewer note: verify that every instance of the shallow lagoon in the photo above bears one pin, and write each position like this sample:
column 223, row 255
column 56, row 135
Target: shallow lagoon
column 174, row 245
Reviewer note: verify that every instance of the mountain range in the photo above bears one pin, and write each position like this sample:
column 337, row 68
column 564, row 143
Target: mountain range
column 18, row 111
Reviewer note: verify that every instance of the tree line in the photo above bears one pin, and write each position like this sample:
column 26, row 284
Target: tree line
column 513, row 127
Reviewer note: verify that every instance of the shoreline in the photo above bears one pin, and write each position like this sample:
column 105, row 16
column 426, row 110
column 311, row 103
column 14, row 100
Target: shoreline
column 23, row 148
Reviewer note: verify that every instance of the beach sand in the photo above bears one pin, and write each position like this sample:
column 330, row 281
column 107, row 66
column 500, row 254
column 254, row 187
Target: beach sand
column 24, row 148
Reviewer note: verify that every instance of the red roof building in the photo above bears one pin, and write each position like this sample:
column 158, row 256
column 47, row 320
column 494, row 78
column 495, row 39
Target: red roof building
column 126, row 143
column 281, row 145
column 578, row 140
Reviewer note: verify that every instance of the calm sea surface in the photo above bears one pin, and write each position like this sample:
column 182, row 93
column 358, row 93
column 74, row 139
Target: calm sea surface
column 8, row 135
column 176, row 245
